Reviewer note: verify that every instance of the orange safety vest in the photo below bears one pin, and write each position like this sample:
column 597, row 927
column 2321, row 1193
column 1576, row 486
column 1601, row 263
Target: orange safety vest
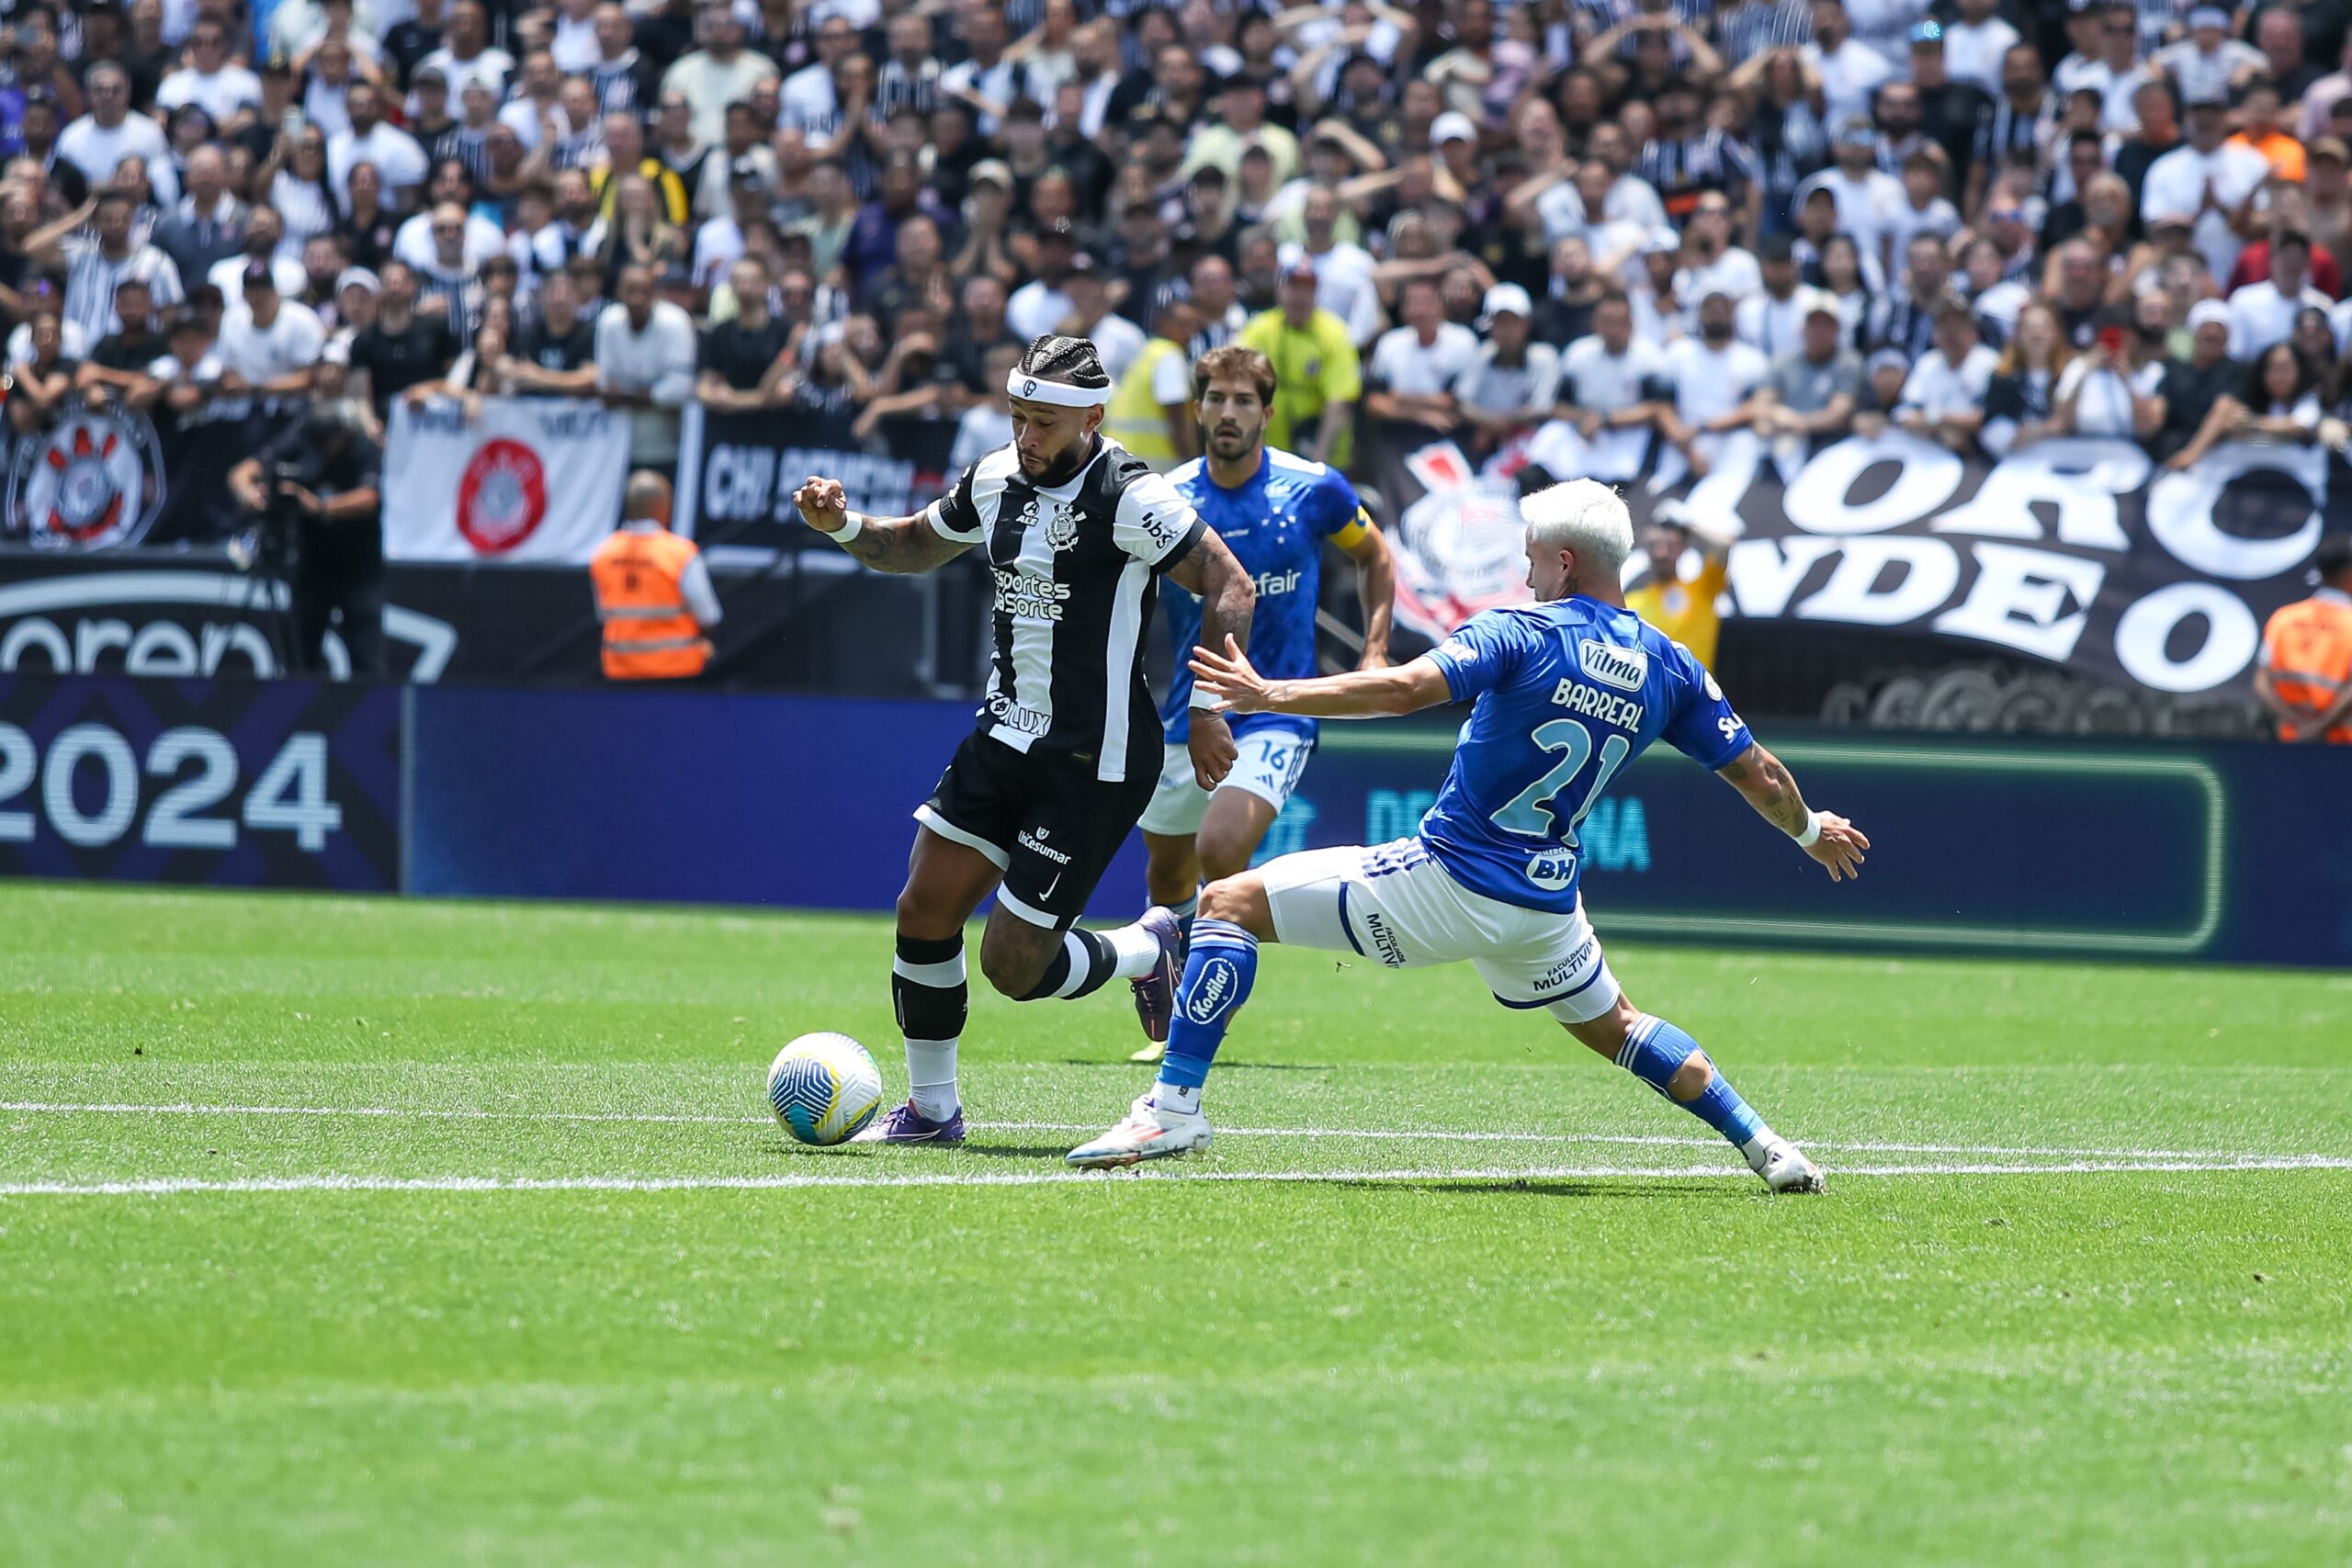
column 2309, row 645
column 648, row 633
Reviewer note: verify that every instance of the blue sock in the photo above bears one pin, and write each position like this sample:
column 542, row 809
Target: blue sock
column 1218, row 974
column 1654, row 1050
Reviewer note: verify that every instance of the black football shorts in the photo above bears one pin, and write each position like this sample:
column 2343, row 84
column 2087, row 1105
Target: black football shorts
column 1046, row 822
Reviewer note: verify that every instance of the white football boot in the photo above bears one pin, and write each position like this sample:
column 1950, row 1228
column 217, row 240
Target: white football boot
column 1148, row 1132
column 1785, row 1168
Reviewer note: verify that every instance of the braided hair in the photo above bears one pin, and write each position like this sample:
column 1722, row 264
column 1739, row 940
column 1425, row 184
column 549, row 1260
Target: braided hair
column 1070, row 360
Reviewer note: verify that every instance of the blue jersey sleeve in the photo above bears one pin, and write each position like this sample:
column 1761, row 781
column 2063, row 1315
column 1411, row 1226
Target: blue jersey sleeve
column 1704, row 728
column 1482, row 654
column 1339, row 513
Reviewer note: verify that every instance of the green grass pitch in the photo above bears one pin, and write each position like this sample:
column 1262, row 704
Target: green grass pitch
column 1448, row 1290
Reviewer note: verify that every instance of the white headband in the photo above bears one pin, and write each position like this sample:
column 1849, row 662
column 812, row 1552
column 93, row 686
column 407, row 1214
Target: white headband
column 1032, row 390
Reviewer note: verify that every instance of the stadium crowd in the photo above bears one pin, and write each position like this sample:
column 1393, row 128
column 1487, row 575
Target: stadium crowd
column 1983, row 220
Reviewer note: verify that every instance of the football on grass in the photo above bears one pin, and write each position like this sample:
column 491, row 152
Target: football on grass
column 824, row 1088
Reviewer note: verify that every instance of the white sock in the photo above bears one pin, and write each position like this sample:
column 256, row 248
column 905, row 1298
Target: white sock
column 1134, row 950
column 1758, row 1149
column 931, row 1079
column 1176, row 1097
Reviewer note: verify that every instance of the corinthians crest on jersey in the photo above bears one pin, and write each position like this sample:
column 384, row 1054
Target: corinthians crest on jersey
column 1076, row 568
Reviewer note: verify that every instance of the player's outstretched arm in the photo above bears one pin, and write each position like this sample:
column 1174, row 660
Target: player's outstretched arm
column 886, row 544
column 1772, row 789
column 1359, row 694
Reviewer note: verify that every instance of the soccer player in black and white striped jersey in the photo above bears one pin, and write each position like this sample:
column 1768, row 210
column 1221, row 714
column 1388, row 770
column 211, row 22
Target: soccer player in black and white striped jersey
column 1066, row 752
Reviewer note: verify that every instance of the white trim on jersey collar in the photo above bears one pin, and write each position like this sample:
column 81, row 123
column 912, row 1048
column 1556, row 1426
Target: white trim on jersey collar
column 1035, row 389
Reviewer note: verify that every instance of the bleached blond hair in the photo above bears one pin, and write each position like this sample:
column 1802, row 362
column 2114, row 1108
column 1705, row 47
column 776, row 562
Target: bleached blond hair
column 1586, row 517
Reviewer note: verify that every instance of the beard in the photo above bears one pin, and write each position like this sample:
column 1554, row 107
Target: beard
column 1062, row 468
column 1231, row 441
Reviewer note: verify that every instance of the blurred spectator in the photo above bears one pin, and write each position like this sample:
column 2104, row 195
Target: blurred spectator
column 2191, row 387
column 2277, row 401
column 1150, row 412
column 43, row 380
column 1317, row 376
column 96, row 144
column 743, row 364
column 1943, row 398
column 1415, row 366
column 1811, row 392
column 1713, row 375
column 402, row 347
column 2264, row 313
column 2021, row 403
column 2303, row 674
column 555, row 352
column 271, row 342
column 1685, row 578
column 95, row 264
column 208, row 226
column 1512, row 382
column 645, row 364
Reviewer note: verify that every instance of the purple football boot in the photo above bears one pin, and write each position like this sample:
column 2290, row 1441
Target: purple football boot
column 905, row 1125
column 1156, row 991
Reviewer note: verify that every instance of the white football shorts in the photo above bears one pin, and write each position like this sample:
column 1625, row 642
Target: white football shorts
column 1395, row 904
column 1268, row 767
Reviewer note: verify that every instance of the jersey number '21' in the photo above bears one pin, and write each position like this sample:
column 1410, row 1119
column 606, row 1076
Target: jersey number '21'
column 1535, row 812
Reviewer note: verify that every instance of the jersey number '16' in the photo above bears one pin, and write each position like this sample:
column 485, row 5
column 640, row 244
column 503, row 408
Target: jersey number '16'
column 1536, row 812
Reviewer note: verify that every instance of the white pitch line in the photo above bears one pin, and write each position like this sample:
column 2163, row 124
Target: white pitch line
column 422, row 1114
column 161, row 1187
column 1628, row 1140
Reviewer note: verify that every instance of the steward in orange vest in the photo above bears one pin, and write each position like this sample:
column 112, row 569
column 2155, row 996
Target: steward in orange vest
column 2305, row 676
column 653, row 592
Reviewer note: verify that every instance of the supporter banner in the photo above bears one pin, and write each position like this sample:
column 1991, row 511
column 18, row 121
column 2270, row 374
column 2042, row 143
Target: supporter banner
column 737, row 471
column 287, row 784
column 2080, row 552
column 102, row 475
column 523, row 480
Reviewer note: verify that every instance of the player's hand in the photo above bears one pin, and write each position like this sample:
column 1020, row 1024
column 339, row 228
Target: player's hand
column 824, row 505
column 1839, row 848
column 1230, row 676
column 1212, row 748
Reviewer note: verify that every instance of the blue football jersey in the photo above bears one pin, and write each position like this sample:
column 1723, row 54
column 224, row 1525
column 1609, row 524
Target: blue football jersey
column 1274, row 524
column 1567, row 693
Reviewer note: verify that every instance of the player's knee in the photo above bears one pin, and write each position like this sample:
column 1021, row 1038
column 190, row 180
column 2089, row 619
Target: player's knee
column 1227, row 899
column 1012, row 968
column 918, row 918
column 1691, row 1078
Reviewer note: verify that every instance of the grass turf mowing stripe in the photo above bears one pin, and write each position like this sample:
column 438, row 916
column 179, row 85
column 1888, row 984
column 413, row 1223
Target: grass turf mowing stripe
column 176, row 1186
column 1636, row 1140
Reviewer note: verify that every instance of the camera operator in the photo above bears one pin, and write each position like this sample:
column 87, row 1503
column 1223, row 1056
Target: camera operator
column 315, row 494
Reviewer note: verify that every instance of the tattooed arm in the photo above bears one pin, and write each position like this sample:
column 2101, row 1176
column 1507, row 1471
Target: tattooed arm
column 1228, row 600
column 1769, row 786
column 886, row 544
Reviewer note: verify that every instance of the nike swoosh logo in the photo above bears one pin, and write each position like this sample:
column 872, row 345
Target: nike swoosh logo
column 1057, row 882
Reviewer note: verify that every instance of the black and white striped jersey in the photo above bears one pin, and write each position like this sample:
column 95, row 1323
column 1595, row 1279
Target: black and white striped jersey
column 1077, row 570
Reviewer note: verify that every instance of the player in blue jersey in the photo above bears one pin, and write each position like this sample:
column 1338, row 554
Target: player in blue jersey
column 1274, row 510
column 1564, row 693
